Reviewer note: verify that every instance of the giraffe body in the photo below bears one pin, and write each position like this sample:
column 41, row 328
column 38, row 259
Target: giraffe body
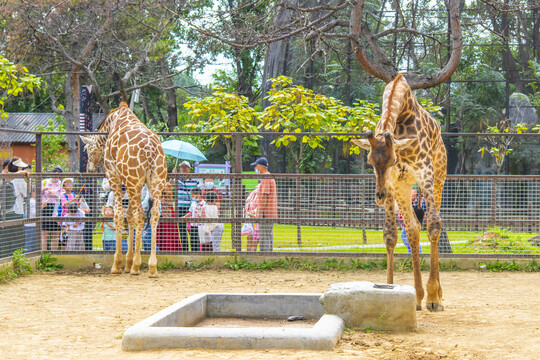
column 407, row 149
column 132, row 156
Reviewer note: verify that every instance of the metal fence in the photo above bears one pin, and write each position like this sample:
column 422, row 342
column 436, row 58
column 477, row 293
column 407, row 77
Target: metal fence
column 316, row 214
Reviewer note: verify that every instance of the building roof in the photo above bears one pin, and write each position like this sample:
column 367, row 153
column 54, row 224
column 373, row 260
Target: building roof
column 30, row 122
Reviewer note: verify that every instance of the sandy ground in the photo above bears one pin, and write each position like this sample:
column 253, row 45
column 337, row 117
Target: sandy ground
column 82, row 315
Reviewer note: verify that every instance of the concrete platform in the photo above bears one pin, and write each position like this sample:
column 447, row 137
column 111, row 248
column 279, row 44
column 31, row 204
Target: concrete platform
column 174, row 327
column 378, row 306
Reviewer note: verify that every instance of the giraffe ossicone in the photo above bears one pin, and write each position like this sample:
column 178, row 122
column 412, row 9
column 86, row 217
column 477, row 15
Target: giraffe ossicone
column 407, row 149
column 133, row 156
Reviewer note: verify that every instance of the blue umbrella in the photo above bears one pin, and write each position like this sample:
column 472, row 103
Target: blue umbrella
column 182, row 150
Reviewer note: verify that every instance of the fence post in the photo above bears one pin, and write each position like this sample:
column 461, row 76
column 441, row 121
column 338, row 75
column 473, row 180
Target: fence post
column 39, row 170
column 236, row 227
column 493, row 217
column 298, row 213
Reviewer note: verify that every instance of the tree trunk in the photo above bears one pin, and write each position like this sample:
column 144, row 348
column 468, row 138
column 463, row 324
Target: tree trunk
column 72, row 116
column 146, row 108
column 172, row 110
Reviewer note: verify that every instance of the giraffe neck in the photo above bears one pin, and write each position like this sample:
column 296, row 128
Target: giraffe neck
column 108, row 125
column 397, row 98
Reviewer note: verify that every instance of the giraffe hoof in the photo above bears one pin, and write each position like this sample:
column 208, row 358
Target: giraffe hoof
column 434, row 307
column 135, row 272
column 116, row 270
column 153, row 274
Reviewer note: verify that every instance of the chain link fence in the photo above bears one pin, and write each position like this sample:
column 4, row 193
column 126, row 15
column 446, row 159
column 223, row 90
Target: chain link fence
column 316, row 214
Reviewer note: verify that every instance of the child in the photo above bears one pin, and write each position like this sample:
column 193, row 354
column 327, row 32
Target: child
column 74, row 229
column 30, row 228
column 195, row 211
column 251, row 231
column 68, row 197
column 109, row 231
column 210, row 233
column 167, row 232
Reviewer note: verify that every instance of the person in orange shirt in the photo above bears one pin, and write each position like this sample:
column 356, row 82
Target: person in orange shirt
column 266, row 206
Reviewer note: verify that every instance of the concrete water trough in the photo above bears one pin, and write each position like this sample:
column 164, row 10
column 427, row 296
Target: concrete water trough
column 190, row 324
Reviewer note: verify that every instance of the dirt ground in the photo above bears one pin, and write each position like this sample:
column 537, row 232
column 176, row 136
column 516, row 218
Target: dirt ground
column 83, row 314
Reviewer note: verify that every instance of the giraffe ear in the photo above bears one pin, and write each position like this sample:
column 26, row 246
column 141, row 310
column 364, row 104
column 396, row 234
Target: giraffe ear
column 403, row 143
column 362, row 143
column 87, row 140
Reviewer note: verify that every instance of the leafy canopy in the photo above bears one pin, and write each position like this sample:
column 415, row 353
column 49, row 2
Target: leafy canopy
column 14, row 80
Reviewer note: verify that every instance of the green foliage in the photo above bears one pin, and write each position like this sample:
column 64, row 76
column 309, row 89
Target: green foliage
column 223, row 112
column 295, row 109
column 406, row 265
column 532, row 266
column 53, row 145
column 167, row 265
column 363, row 116
column 434, row 110
column 20, row 263
column 449, row 265
column 497, row 266
column 19, row 266
column 499, row 146
column 47, row 263
column 14, row 81
column 360, row 264
column 192, row 266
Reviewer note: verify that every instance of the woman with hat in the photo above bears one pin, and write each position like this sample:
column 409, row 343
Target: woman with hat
column 50, row 198
column 19, row 185
column 13, row 194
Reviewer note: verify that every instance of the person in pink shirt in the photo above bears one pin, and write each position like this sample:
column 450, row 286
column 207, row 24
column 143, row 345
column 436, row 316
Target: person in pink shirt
column 51, row 190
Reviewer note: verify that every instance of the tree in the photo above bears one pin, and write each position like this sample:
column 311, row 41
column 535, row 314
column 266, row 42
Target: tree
column 93, row 42
column 295, row 109
column 14, row 81
column 224, row 112
column 499, row 146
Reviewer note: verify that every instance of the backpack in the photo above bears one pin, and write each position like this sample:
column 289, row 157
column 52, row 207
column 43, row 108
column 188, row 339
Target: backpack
column 8, row 191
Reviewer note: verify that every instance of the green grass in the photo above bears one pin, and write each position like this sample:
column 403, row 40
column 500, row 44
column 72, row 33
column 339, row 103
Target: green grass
column 342, row 239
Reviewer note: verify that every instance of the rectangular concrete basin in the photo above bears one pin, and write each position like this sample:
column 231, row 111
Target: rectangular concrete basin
column 174, row 327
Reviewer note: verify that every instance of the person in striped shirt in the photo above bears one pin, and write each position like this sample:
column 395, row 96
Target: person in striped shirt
column 184, row 202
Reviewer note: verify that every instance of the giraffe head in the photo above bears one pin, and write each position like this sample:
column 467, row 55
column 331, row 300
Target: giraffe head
column 382, row 156
column 95, row 152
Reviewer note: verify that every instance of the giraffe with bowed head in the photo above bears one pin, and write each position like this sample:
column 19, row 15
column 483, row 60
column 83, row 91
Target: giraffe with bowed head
column 407, row 149
column 132, row 156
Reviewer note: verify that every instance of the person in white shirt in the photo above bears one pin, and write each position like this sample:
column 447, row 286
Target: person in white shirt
column 75, row 238
column 210, row 233
column 19, row 185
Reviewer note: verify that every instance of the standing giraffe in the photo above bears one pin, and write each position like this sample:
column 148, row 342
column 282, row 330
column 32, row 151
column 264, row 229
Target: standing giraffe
column 406, row 149
column 133, row 156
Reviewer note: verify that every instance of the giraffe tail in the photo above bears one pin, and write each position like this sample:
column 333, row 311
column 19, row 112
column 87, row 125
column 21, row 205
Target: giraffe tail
column 150, row 204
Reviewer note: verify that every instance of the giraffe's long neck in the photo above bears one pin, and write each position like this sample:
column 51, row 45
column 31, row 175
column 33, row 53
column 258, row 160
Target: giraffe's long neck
column 396, row 96
column 107, row 126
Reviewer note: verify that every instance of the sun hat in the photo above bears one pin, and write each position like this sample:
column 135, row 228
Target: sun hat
column 67, row 179
column 185, row 163
column 20, row 163
column 57, row 169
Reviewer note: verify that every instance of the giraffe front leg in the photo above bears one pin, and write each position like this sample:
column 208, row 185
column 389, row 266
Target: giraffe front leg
column 390, row 237
column 118, row 224
column 412, row 231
